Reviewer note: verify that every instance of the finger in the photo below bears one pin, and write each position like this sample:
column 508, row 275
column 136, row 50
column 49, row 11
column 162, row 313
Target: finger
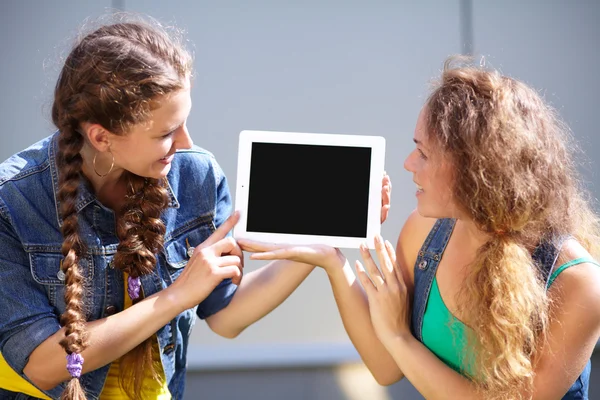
column 279, row 254
column 386, row 187
column 237, row 251
column 255, row 247
column 233, row 260
column 386, row 190
column 228, row 260
column 371, row 267
column 236, row 280
column 364, row 279
column 387, row 181
column 390, row 251
column 222, row 230
column 224, row 246
column 229, row 272
column 384, row 259
column 385, row 209
column 385, row 194
column 392, row 255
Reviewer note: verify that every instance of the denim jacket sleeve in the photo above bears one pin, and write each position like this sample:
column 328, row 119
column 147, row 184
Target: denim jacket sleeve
column 223, row 293
column 26, row 316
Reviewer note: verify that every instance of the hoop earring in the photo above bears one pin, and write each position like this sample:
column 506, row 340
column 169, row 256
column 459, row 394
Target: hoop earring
column 111, row 165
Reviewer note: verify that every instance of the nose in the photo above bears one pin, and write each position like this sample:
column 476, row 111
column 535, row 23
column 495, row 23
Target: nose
column 184, row 140
column 409, row 163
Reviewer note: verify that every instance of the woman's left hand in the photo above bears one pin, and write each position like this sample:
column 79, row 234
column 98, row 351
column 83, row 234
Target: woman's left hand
column 386, row 196
column 386, row 291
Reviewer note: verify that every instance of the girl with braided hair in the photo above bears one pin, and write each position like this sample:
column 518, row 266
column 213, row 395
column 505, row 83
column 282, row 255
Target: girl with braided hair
column 118, row 224
column 493, row 291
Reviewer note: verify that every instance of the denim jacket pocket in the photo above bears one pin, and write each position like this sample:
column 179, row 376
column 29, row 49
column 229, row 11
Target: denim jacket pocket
column 182, row 242
column 45, row 268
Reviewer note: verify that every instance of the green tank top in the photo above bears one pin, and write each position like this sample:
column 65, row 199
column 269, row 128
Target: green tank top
column 445, row 335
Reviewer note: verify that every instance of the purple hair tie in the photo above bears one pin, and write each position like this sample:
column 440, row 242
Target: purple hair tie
column 133, row 287
column 74, row 364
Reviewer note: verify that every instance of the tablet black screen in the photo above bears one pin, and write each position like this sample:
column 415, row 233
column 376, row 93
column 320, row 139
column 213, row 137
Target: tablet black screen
column 309, row 189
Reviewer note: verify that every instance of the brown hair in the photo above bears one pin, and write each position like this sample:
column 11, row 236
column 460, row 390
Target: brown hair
column 519, row 184
column 112, row 77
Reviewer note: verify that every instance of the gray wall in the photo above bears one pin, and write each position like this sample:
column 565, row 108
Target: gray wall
column 357, row 67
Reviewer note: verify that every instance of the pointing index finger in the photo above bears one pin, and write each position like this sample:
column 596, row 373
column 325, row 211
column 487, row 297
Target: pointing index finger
column 222, row 230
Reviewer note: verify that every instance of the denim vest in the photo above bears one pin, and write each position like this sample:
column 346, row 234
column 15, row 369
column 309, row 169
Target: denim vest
column 426, row 266
column 32, row 290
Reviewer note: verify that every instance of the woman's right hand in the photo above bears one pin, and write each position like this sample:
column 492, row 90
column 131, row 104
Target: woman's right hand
column 217, row 258
column 324, row 256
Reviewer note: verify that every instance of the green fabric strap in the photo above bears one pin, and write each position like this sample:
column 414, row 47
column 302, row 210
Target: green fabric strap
column 570, row 264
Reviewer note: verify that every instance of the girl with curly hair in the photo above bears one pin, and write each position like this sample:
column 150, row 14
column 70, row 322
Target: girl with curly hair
column 493, row 290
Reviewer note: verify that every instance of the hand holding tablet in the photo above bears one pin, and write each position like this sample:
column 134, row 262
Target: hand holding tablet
column 307, row 188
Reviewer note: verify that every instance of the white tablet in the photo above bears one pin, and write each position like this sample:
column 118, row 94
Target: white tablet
column 309, row 188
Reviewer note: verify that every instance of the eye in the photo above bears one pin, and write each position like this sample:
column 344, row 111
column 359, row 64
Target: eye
column 168, row 135
column 421, row 154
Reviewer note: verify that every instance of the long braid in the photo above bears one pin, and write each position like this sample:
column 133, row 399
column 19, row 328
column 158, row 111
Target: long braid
column 73, row 319
column 141, row 233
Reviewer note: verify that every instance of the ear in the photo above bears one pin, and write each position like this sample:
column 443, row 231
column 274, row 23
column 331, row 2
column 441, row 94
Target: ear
column 97, row 136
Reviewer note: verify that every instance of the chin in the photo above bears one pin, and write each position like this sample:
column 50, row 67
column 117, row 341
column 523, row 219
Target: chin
column 155, row 174
column 162, row 173
column 430, row 211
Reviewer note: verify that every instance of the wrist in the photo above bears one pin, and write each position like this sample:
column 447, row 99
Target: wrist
column 173, row 298
column 335, row 263
column 398, row 341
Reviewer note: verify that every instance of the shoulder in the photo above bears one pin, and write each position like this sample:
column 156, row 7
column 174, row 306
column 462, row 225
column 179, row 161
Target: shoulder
column 574, row 325
column 411, row 238
column 25, row 176
column 579, row 283
column 196, row 163
column 196, row 156
column 26, row 162
column 414, row 232
column 196, row 180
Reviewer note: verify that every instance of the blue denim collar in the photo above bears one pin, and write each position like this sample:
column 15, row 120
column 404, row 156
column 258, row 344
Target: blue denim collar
column 85, row 195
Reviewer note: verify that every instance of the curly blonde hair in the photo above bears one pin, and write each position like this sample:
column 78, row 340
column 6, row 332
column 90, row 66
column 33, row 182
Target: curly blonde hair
column 519, row 184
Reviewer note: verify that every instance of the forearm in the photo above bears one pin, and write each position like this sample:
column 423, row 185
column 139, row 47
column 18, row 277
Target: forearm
column 354, row 309
column 260, row 292
column 428, row 374
column 109, row 339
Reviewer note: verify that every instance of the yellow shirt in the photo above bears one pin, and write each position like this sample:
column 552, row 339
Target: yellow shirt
column 153, row 390
column 11, row 381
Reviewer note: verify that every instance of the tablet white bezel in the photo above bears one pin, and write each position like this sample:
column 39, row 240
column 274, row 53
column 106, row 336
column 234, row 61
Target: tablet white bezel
column 377, row 145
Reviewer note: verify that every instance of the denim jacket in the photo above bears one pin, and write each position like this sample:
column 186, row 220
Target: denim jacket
column 31, row 289
column 426, row 266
